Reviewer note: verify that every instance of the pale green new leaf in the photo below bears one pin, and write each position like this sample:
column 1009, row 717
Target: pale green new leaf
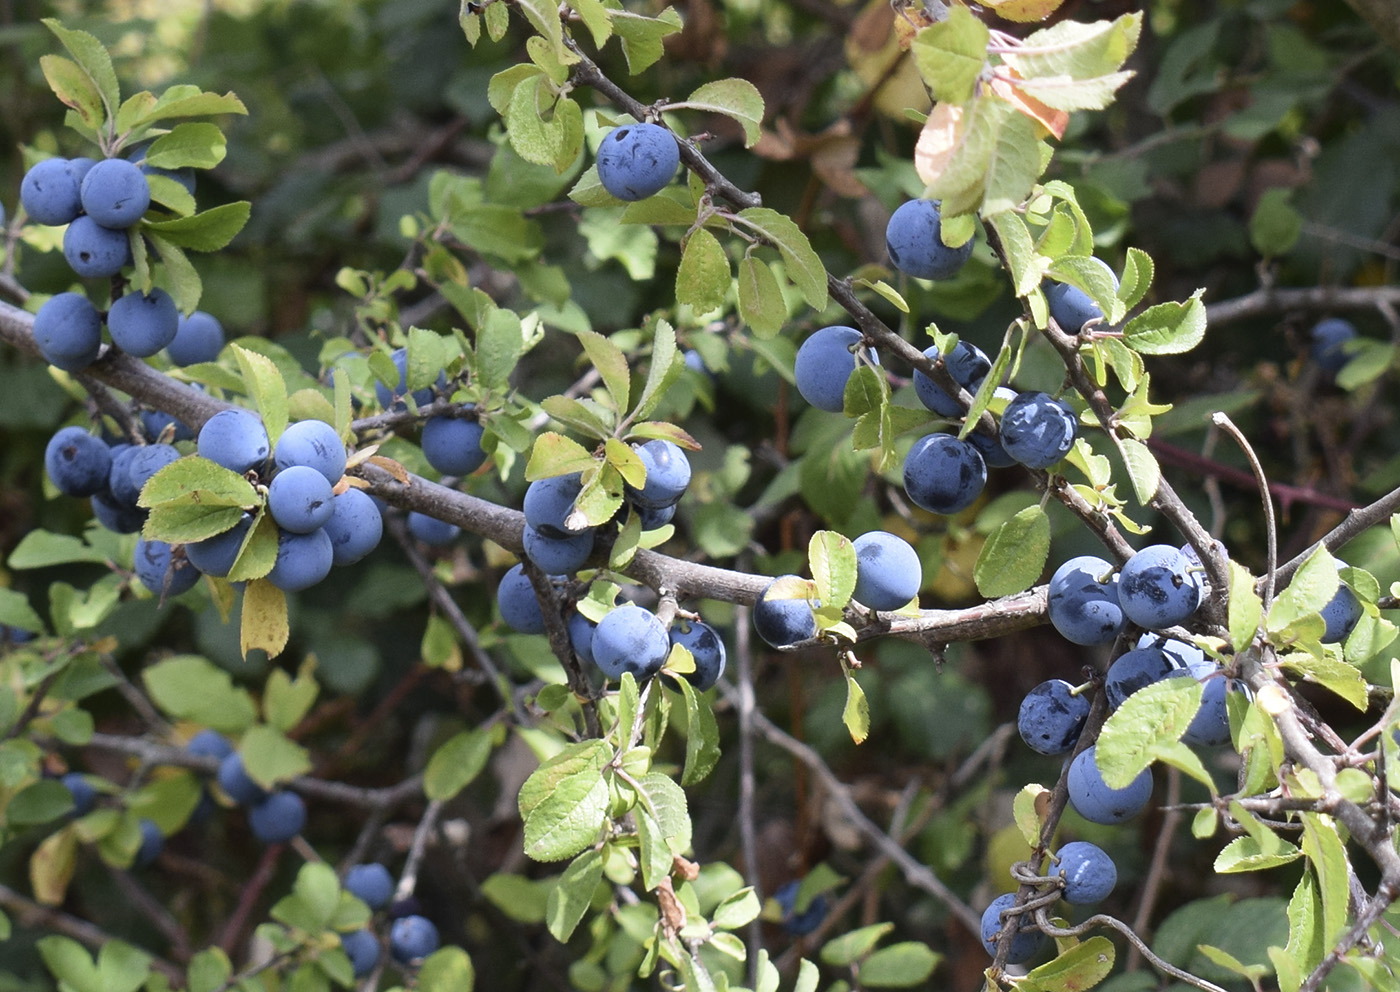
column 1167, row 328
column 1143, row 470
column 1145, row 728
column 208, row 230
column 92, row 58
column 1015, row 554
column 951, row 55
column 564, row 802
column 703, row 277
column 192, row 145
column 1246, row 608
column 570, row 898
column 666, row 366
column 736, row 98
column 804, row 267
column 266, row 388
column 1324, row 848
column 1080, row 967
column 832, row 557
column 761, row 302
column 611, row 364
column 856, row 714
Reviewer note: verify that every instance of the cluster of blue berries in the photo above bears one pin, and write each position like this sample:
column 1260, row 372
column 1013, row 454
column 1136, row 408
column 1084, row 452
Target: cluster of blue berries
column 84, row 796
column 411, row 937
column 273, row 817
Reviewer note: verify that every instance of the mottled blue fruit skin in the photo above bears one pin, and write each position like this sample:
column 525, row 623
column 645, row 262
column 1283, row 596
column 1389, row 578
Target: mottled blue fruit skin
column 158, row 573
column 49, row 192
column 888, row 571
column 1052, row 717
column 1341, row 614
column 84, row 795
column 420, row 396
column 519, row 606
column 216, row 555
column 94, row 251
column 548, row 503
column 652, row 519
column 412, row 938
column 581, row 636
column 234, row 780
column 557, row 555
column 210, row 744
column 1095, row 801
column 1089, row 873
column 705, row 646
column 312, row 444
column 1180, row 653
column 803, row 923
column 637, row 160
column 1027, row 940
column 914, row 240
column 371, row 883
column 115, row 193
column 77, row 462
column 362, row 948
column 1038, row 430
column 825, row 363
column 1159, row 587
column 966, row 363
column 630, row 639
column 68, row 331
column 1135, row 670
column 943, row 474
column 993, row 452
column 431, row 530
column 152, row 843
column 453, row 446
column 302, row 560
column 1328, row 337
column 146, row 460
column 1083, row 601
column 300, row 499
column 142, row 324
column 668, row 475
column 278, row 818
column 355, row 526
column 198, row 338
column 781, row 619
column 235, row 439
column 117, row 517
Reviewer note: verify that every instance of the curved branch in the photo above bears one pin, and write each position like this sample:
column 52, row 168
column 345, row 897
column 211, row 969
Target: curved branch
column 1269, row 300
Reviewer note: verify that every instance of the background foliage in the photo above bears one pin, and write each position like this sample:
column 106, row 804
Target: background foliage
column 1257, row 145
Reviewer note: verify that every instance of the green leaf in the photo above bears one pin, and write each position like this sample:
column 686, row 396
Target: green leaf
column 188, row 146
column 1074, row 65
column 738, row 910
column 1145, row 728
column 188, row 687
column 524, row 900
column 804, row 267
column 736, row 98
column 209, row 969
column 564, row 802
column 1080, row 967
column 856, row 714
column 654, row 855
column 1275, row 225
column 641, row 36
column 180, row 523
column 456, row 764
column 1325, row 670
column 1312, row 587
column 902, row 965
column 554, row 454
column 1137, row 278
column 994, row 163
column 703, row 277
column 1167, row 328
column 1014, row 556
column 761, row 302
column 570, row 898
column 286, row 701
column 596, row 17
column 38, row 802
column 448, row 969
column 843, row 951
column 544, row 18
column 1247, row 854
column 702, row 735
column 666, row 802
column 1324, row 849
column 41, row 549
column 1087, row 273
column 74, row 88
column 208, row 230
column 1025, row 810
column 832, row 557
column 270, row 757
column 70, row 963
column 1246, row 608
column 177, row 101
column 181, row 278
column 1143, row 470
column 266, row 389
column 611, row 364
column 499, row 344
column 15, row 611
column 195, row 480
column 666, row 366
column 1019, row 249
column 951, row 55
column 91, row 56
column 259, row 552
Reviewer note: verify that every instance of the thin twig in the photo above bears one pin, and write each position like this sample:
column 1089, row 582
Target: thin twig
column 408, row 881
column 1104, row 920
column 1222, row 420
